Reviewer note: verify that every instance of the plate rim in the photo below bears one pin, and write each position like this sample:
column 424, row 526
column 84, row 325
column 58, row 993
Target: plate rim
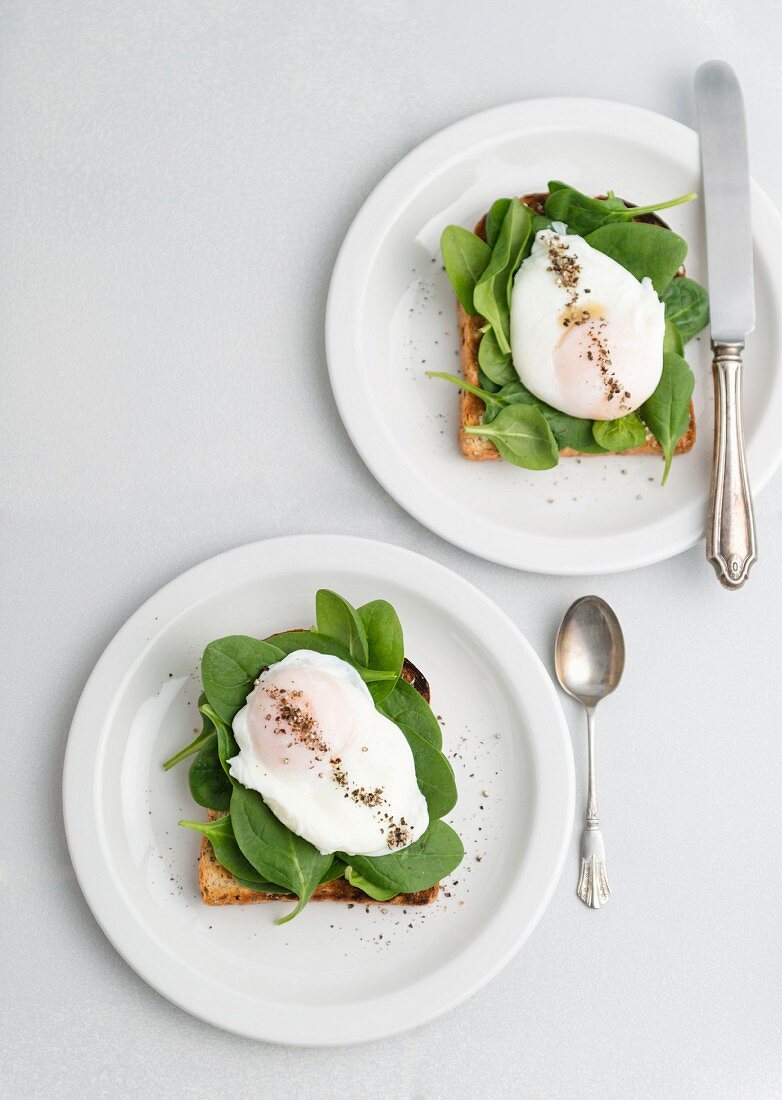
column 90, row 859
column 597, row 554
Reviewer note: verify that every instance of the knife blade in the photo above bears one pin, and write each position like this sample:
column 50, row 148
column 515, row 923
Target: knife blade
column 726, row 191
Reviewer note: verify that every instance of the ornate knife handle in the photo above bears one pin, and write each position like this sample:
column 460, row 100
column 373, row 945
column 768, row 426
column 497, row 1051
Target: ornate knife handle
column 730, row 537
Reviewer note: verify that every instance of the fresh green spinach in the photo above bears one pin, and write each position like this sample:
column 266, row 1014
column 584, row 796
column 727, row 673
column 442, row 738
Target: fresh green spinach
column 686, row 307
column 274, row 851
column 385, row 644
column 334, row 871
column 495, row 363
column 486, row 383
column 290, row 640
column 338, row 619
column 672, row 340
column 198, row 743
column 229, row 668
column 405, row 707
column 433, row 856
column 227, row 747
column 583, row 214
column 209, row 785
column 493, row 288
column 522, row 435
column 465, row 257
column 494, row 220
column 433, row 773
column 646, row 251
column 569, row 431
column 667, row 412
column 621, row 434
column 220, row 834
column 539, row 222
column 369, row 888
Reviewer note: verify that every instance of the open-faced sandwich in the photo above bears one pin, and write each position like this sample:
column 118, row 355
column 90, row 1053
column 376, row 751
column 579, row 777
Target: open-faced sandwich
column 319, row 764
column 573, row 316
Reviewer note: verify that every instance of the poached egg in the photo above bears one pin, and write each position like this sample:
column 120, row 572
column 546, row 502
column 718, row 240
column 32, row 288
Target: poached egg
column 586, row 336
column 327, row 763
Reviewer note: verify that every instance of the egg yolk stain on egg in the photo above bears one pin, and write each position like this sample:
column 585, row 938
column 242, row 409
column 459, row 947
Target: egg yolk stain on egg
column 583, row 349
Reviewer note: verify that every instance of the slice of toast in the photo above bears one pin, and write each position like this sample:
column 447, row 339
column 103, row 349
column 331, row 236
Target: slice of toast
column 471, row 408
column 219, row 887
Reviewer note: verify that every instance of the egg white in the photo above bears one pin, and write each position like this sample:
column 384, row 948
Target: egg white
column 299, row 786
column 558, row 353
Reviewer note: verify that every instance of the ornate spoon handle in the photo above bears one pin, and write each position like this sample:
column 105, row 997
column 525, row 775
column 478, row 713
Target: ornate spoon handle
column 730, row 536
column 593, row 887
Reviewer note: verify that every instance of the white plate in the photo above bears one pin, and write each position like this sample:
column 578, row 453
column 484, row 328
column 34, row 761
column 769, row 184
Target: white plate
column 391, row 317
column 334, row 975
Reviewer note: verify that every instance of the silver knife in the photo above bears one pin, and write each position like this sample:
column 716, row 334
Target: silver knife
column 730, row 535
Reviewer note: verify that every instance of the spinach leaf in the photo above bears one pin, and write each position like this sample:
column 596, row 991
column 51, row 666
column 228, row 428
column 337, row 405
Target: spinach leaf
column 495, row 363
column 522, row 436
column 644, row 250
column 583, row 214
column 209, row 785
column 385, row 644
column 291, row 640
column 620, row 434
column 492, row 291
column 686, row 307
column 486, row 382
column 372, row 891
column 227, row 747
column 672, row 341
column 338, row 619
column 334, row 871
column 220, row 833
column 667, row 412
column 288, row 641
column 495, row 401
column 579, row 212
column 569, row 431
column 433, row 856
column 273, row 850
column 538, row 223
column 198, row 743
column 433, row 774
column 465, row 256
column 229, row 667
column 494, row 220
column 406, row 707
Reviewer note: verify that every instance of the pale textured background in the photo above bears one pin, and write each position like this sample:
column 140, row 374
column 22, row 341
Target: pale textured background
column 175, row 181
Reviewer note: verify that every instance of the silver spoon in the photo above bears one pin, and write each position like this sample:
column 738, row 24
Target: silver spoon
column 589, row 656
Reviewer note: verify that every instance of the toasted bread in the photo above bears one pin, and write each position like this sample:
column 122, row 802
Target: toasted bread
column 219, row 887
column 471, row 408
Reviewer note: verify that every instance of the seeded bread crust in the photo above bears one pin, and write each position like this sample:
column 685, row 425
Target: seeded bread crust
column 471, row 408
column 219, row 887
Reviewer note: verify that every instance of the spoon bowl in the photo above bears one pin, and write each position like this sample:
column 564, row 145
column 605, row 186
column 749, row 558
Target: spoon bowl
column 589, row 654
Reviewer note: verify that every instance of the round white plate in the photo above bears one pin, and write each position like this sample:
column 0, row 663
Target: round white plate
column 333, row 975
column 391, row 317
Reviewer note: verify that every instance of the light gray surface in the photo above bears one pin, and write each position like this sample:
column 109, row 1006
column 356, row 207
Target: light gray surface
column 175, row 180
